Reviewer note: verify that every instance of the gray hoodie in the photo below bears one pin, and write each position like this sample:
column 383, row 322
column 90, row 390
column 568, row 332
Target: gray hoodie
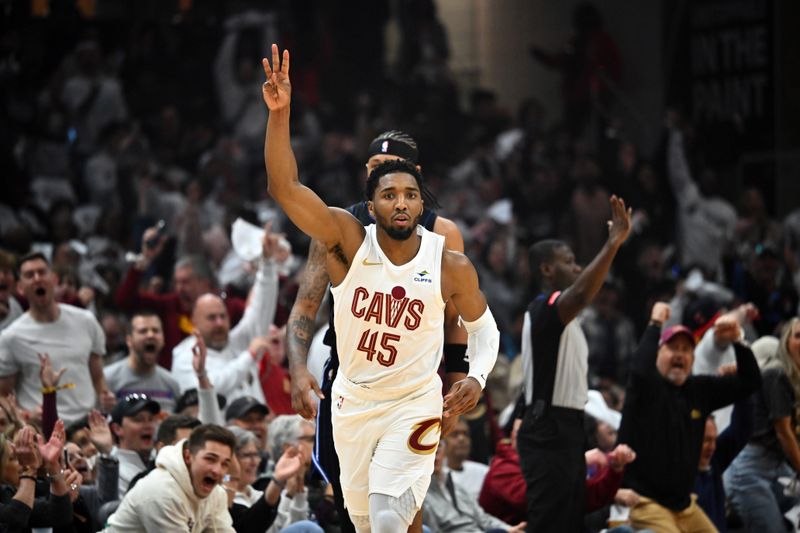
column 165, row 501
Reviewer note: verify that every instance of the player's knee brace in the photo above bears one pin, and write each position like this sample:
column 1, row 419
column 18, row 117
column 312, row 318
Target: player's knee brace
column 360, row 522
column 392, row 514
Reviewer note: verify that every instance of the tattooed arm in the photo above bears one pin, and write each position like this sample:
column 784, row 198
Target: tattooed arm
column 301, row 328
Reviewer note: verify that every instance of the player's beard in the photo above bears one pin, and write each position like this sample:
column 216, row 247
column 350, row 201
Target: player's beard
column 398, row 234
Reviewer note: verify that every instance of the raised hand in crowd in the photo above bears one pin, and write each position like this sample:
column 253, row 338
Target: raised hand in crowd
column 728, row 327
column 25, row 448
column 258, row 346
column 50, row 451
column 289, row 465
column 660, row 313
column 47, row 374
column 596, row 458
column 621, row 456
column 99, row 432
column 153, row 241
column 296, row 484
column 74, row 480
column 13, row 413
column 269, row 242
column 199, row 354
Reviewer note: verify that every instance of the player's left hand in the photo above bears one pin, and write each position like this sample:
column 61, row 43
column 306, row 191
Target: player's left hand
column 277, row 90
column 462, row 398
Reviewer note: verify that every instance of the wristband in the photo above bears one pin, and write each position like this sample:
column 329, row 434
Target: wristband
column 654, row 322
column 27, row 476
column 281, row 484
column 54, row 388
column 455, row 358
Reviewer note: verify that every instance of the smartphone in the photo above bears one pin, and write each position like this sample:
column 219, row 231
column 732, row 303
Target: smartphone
column 161, row 228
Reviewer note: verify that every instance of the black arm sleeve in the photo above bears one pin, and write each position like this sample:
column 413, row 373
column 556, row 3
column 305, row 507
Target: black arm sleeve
column 728, row 389
column 731, row 441
column 455, row 358
column 644, row 359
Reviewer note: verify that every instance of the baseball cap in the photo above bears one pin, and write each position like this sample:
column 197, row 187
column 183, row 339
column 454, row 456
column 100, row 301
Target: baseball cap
column 190, row 399
column 672, row 331
column 240, row 407
column 132, row 404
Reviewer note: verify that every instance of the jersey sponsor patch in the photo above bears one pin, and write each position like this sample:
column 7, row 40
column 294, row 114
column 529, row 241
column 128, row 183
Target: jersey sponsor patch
column 423, row 277
column 421, row 431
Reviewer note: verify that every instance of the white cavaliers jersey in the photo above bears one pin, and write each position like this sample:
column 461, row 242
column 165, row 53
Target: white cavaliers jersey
column 389, row 319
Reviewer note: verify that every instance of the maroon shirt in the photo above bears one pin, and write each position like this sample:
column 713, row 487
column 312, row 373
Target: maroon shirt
column 174, row 319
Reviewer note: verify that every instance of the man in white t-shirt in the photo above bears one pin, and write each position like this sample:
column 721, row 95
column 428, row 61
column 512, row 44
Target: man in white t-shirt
column 72, row 338
column 139, row 372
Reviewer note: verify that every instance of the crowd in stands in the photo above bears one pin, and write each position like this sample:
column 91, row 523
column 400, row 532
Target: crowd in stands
column 143, row 379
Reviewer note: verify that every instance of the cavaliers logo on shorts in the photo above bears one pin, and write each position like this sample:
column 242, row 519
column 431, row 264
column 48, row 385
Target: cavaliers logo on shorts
column 421, row 431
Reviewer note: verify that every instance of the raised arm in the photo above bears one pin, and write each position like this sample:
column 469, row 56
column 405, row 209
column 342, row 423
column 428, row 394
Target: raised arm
column 301, row 204
column 301, row 329
column 263, row 301
column 644, row 359
column 725, row 390
column 582, row 292
column 678, row 172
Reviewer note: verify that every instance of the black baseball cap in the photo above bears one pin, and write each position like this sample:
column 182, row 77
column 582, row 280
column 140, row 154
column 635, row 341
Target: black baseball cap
column 240, row 407
column 189, row 399
column 132, row 404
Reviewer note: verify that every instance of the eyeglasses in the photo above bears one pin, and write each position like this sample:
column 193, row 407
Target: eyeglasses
column 250, row 455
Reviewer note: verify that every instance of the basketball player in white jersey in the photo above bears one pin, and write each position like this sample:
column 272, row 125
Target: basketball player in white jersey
column 390, row 284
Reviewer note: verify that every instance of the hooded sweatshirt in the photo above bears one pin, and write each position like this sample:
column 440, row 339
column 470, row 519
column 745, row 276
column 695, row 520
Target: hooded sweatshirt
column 165, row 501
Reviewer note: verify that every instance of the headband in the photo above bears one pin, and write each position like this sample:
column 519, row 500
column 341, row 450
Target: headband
column 393, row 147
